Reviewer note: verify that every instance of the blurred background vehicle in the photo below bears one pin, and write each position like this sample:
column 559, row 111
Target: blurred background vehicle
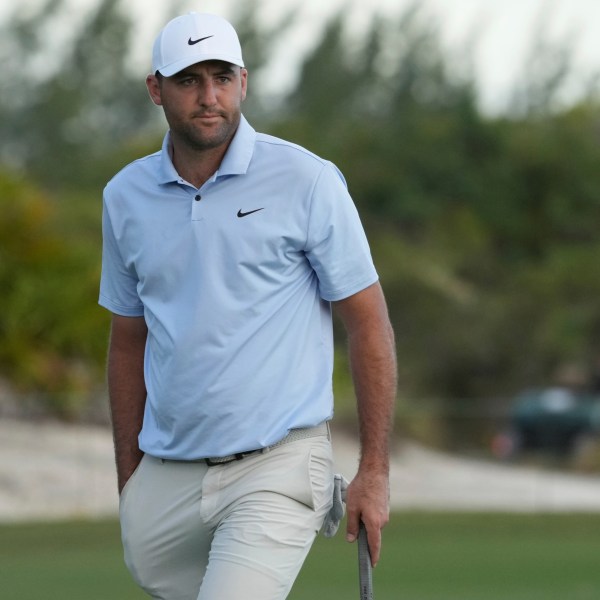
column 555, row 420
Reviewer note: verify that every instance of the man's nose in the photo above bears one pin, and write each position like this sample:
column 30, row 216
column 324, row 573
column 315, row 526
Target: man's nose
column 207, row 94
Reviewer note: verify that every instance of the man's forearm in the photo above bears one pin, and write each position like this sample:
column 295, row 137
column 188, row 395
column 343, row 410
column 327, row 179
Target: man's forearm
column 127, row 393
column 373, row 367
column 372, row 354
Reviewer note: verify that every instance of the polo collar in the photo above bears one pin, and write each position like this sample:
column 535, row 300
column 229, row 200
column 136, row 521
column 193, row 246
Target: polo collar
column 239, row 154
column 235, row 162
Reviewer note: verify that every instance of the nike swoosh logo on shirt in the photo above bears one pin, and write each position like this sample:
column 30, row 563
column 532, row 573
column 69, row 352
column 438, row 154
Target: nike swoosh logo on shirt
column 245, row 214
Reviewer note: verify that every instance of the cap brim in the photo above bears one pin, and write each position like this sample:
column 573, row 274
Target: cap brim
column 184, row 63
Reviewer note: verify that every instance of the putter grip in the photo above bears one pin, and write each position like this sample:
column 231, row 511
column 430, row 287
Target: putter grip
column 365, row 574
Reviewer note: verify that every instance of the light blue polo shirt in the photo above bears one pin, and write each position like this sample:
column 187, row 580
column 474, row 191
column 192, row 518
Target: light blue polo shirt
column 234, row 281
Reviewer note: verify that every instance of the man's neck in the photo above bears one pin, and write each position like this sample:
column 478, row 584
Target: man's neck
column 196, row 166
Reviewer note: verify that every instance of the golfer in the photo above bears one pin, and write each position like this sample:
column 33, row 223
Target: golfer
column 223, row 256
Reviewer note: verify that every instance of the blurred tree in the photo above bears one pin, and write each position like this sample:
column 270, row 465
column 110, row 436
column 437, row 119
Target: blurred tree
column 52, row 338
column 258, row 42
column 63, row 106
column 464, row 211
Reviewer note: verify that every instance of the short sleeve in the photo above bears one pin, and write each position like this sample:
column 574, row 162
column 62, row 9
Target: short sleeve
column 337, row 246
column 118, row 284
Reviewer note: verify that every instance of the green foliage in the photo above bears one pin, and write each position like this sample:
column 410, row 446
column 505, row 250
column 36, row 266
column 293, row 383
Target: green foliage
column 59, row 117
column 52, row 334
column 474, row 221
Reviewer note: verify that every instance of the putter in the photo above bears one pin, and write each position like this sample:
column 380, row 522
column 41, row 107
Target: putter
column 365, row 573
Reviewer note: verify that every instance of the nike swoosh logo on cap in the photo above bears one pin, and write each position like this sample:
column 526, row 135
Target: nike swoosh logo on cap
column 245, row 214
column 191, row 42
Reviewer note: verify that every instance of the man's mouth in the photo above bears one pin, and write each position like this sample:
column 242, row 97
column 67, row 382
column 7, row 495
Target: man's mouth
column 207, row 116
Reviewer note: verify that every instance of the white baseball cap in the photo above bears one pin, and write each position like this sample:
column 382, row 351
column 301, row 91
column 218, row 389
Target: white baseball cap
column 193, row 38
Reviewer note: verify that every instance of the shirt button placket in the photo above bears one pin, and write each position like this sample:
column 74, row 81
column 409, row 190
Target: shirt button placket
column 197, row 207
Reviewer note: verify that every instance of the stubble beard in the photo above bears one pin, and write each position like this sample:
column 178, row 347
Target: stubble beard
column 200, row 139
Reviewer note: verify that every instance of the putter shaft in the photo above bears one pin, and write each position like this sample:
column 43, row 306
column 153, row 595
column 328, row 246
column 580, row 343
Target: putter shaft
column 365, row 572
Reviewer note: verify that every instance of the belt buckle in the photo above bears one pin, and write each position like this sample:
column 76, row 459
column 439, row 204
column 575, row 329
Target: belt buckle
column 233, row 458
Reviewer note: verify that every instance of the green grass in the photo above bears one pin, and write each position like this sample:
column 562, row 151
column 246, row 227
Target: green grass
column 426, row 557
column 469, row 557
column 64, row 561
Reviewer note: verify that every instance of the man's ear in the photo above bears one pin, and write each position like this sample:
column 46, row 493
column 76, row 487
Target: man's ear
column 153, row 85
column 244, row 80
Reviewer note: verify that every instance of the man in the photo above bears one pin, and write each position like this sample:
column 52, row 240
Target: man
column 222, row 256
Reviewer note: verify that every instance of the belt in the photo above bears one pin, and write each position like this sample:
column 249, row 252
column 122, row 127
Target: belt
column 295, row 434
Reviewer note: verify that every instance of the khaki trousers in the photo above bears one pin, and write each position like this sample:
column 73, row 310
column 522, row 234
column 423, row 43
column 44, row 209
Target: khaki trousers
column 238, row 531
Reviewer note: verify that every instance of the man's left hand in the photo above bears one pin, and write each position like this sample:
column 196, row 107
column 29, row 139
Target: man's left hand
column 367, row 500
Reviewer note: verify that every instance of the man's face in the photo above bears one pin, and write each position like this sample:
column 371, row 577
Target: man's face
column 202, row 104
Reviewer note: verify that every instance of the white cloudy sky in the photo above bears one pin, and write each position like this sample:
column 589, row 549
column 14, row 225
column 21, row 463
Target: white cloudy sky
column 504, row 29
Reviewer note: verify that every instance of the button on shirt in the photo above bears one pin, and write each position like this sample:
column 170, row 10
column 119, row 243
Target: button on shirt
column 234, row 280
